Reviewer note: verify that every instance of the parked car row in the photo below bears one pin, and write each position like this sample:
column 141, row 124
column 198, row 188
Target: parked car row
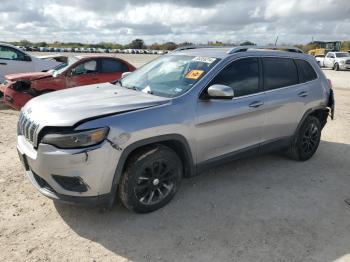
column 91, row 50
column 26, row 76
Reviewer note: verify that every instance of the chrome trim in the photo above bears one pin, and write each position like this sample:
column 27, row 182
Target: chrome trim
column 28, row 128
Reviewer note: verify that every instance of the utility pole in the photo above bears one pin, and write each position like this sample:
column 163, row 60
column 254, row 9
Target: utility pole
column 276, row 40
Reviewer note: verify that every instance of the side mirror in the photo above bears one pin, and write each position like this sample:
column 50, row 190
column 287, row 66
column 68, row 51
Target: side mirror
column 220, row 92
column 27, row 58
column 125, row 74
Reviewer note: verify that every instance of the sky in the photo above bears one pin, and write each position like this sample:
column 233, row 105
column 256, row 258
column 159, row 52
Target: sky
column 196, row 21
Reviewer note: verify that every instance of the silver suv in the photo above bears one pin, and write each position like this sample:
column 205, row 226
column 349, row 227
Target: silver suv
column 173, row 117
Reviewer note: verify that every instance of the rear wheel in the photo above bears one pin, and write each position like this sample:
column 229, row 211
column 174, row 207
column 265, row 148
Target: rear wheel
column 307, row 140
column 151, row 179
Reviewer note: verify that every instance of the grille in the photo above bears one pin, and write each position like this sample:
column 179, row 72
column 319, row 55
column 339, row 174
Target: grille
column 26, row 128
column 347, row 62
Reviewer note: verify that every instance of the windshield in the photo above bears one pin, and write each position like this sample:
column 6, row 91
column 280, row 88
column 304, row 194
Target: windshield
column 342, row 54
column 170, row 75
column 62, row 67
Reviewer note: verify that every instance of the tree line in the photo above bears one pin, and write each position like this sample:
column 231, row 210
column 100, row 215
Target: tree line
column 140, row 44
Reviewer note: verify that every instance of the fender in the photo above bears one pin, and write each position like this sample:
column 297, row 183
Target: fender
column 190, row 168
column 306, row 114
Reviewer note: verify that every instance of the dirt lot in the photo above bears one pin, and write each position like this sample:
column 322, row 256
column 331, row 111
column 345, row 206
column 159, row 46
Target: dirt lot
column 265, row 208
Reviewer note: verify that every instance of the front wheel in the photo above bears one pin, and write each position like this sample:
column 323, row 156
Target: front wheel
column 151, row 179
column 308, row 139
column 336, row 67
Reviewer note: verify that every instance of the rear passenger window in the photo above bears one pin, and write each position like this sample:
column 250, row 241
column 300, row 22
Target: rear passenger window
column 242, row 75
column 305, row 71
column 279, row 72
column 111, row 66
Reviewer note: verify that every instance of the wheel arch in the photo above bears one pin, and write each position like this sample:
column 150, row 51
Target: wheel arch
column 319, row 112
column 176, row 142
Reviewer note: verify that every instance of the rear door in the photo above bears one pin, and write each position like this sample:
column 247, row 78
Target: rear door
column 111, row 69
column 225, row 126
column 83, row 73
column 13, row 61
column 286, row 99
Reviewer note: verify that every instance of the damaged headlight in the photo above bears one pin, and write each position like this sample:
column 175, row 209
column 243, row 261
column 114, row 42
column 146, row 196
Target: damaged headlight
column 77, row 139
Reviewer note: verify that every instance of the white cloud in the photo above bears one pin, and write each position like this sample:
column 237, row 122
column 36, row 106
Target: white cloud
column 182, row 20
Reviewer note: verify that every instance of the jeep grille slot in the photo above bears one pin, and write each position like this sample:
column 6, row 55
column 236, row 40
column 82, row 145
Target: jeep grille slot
column 26, row 128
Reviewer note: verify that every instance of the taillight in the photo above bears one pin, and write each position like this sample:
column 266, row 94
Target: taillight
column 330, row 85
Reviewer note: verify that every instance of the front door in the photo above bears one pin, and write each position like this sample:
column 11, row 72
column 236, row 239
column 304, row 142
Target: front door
column 329, row 60
column 13, row 61
column 226, row 126
column 85, row 73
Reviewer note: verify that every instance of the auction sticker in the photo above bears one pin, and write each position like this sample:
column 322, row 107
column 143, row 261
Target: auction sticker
column 203, row 59
column 194, row 74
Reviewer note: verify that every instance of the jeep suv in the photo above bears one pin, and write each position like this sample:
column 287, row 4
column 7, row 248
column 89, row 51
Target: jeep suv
column 171, row 118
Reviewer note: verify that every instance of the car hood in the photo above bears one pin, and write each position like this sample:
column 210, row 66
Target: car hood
column 70, row 106
column 28, row 76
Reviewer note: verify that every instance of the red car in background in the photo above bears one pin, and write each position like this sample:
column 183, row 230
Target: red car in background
column 19, row 88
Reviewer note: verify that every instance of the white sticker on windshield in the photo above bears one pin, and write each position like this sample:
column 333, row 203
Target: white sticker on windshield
column 147, row 89
column 202, row 59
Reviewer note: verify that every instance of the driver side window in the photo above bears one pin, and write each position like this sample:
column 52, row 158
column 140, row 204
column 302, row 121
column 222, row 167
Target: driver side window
column 87, row 67
column 242, row 75
column 9, row 53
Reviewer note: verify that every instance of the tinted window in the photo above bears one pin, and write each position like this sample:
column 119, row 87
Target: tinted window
column 305, row 71
column 279, row 72
column 111, row 66
column 242, row 75
column 9, row 53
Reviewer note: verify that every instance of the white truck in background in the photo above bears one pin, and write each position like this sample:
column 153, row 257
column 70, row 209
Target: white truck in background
column 336, row 60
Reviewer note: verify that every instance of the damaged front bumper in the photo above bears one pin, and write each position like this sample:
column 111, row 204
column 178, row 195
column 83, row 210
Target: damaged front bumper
column 70, row 175
column 13, row 98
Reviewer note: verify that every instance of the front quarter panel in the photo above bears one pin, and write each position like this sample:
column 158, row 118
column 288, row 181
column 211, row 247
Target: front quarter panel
column 154, row 124
column 128, row 128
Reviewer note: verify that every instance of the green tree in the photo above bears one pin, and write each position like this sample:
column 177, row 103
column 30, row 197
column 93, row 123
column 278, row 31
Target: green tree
column 137, row 44
column 169, row 46
column 247, row 43
column 24, row 43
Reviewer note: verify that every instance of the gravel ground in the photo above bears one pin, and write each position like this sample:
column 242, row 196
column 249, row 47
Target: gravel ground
column 264, row 208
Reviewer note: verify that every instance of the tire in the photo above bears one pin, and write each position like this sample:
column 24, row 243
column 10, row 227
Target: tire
column 336, row 67
column 151, row 179
column 307, row 139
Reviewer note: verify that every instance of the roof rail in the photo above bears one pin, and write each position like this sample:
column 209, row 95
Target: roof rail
column 198, row 46
column 270, row 47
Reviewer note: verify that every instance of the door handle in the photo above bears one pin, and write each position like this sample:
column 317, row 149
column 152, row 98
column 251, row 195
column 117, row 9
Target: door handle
column 1, row 63
column 303, row 94
column 256, row 104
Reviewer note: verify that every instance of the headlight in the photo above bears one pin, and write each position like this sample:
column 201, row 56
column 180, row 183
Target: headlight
column 76, row 139
column 342, row 62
